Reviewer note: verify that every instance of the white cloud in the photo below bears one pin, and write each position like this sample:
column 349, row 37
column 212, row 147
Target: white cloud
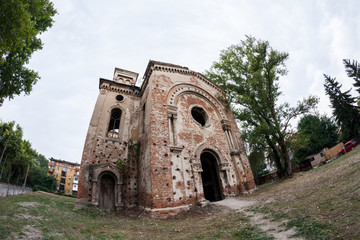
column 90, row 38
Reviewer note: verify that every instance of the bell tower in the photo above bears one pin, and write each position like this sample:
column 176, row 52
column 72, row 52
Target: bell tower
column 125, row 77
column 114, row 123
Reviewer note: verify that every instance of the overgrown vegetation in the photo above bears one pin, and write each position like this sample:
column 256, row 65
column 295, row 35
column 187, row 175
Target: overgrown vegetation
column 133, row 157
column 321, row 203
column 21, row 23
column 345, row 111
column 314, row 134
column 257, row 162
column 250, row 73
column 20, row 163
column 53, row 217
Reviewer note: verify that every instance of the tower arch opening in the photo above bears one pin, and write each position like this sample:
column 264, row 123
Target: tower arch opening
column 107, row 191
column 210, row 176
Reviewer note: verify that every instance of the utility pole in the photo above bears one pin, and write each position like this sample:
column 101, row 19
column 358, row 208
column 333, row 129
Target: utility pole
column 26, row 176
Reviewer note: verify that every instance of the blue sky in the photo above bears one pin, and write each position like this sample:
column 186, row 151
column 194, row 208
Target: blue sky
column 90, row 38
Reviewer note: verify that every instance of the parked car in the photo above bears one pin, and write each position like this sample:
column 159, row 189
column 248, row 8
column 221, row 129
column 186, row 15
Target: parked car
column 348, row 147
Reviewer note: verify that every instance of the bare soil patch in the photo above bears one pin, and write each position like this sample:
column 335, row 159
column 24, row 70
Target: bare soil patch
column 275, row 229
column 29, row 204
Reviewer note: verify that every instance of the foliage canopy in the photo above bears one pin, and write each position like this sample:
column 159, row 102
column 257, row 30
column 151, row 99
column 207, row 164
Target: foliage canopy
column 17, row 156
column 249, row 72
column 344, row 106
column 21, row 21
column 314, row 134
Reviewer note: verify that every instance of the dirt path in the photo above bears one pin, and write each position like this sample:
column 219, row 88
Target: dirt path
column 275, row 229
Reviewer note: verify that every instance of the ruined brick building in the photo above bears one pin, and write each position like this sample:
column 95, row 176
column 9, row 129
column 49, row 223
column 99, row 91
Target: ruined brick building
column 190, row 147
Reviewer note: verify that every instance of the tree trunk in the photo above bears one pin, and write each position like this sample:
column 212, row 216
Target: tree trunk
column 277, row 158
column 285, row 155
column 11, row 172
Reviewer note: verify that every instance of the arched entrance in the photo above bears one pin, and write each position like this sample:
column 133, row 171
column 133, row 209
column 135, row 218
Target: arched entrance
column 107, row 192
column 210, row 176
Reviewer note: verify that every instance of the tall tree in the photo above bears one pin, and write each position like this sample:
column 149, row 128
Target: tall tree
column 344, row 109
column 42, row 161
column 353, row 70
column 319, row 132
column 250, row 73
column 257, row 162
column 38, row 178
column 21, row 21
column 18, row 152
column 19, row 155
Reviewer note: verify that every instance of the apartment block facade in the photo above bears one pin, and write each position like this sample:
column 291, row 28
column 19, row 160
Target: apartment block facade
column 66, row 174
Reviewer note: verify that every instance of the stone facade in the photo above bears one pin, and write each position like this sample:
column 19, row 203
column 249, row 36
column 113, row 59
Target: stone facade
column 190, row 149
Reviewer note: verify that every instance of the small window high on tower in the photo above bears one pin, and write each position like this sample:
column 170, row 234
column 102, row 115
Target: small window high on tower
column 114, row 124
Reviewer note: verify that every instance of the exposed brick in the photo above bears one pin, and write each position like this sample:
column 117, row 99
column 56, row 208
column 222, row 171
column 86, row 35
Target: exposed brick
column 166, row 178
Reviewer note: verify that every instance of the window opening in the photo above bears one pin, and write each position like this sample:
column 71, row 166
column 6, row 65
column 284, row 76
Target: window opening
column 119, row 98
column 199, row 115
column 114, row 123
column 143, row 122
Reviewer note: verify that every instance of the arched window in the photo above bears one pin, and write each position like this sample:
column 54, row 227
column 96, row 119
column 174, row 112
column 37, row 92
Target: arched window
column 114, row 124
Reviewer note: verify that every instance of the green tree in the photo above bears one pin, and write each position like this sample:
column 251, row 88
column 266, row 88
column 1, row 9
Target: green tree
column 19, row 156
column 319, row 132
column 249, row 72
column 38, row 178
column 11, row 148
column 257, row 162
column 344, row 109
column 42, row 161
column 353, row 70
column 21, row 21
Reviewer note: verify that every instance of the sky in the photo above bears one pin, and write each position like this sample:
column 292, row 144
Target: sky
column 90, row 38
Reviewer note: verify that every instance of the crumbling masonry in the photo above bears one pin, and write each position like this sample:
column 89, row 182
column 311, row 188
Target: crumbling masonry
column 165, row 146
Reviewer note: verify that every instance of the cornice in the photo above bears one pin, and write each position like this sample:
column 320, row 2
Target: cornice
column 112, row 86
column 166, row 67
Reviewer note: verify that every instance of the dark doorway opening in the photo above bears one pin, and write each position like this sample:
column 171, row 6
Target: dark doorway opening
column 210, row 177
column 107, row 192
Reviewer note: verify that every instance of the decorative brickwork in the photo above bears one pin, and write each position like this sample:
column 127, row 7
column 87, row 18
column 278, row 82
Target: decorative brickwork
column 190, row 146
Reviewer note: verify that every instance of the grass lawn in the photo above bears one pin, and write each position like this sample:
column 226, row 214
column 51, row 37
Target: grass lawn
column 50, row 216
column 323, row 203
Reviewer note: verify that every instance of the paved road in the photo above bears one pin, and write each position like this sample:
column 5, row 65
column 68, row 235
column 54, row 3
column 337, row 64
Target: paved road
column 8, row 190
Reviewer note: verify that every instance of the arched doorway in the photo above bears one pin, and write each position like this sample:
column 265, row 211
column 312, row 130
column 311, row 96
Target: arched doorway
column 107, row 192
column 210, row 176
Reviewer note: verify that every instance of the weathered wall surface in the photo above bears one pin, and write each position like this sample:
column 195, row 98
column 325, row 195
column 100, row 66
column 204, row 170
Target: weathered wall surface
column 177, row 139
column 167, row 177
column 102, row 148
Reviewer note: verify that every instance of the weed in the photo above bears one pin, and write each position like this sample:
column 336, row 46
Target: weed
column 310, row 228
column 253, row 233
column 49, row 238
column 119, row 235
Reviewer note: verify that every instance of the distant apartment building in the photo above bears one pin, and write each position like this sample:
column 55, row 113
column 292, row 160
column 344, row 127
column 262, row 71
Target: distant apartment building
column 66, row 174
